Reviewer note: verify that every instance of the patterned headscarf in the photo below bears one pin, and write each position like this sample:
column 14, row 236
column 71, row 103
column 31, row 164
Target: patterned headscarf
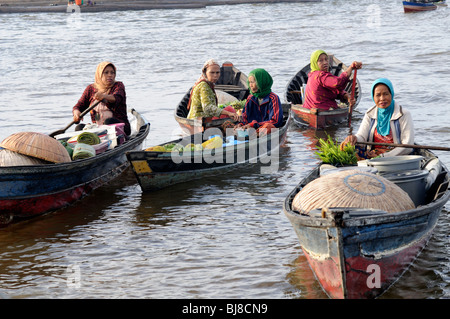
column 264, row 82
column 202, row 78
column 98, row 84
column 205, row 67
column 313, row 60
column 384, row 115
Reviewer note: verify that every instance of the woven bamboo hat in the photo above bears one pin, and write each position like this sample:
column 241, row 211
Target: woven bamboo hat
column 10, row 158
column 37, row 145
column 352, row 188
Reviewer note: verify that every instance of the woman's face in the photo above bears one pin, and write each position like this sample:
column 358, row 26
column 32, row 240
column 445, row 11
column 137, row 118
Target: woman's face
column 252, row 83
column 322, row 62
column 382, row 96
column 108, row 76
column 213, row 73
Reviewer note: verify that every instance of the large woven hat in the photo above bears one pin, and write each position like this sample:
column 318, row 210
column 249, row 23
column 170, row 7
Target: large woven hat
column 10, row 158
column 37, row 145
column 352, row 188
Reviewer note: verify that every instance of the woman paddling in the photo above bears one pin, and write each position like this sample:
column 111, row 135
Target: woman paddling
column 323, row 88
column 386, row 122
column 113, row 108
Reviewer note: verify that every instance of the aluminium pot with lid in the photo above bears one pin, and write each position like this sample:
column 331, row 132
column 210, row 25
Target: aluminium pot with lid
column 393, row 163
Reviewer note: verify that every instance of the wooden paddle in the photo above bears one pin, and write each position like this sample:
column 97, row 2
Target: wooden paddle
column 350, row 109
column 438, row 148
column 73, row 122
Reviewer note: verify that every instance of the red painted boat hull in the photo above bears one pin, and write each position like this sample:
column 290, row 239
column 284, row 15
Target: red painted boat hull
column 27, row 191
column 319, row 120
column 358, row 253
column 358, row 280
column 417, row 6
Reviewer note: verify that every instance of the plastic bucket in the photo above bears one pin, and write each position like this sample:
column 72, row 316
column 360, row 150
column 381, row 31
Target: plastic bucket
column 413, row 182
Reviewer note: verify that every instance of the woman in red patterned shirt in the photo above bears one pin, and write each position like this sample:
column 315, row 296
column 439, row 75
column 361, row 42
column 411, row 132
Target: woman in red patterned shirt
column 323, row 88
column 113, row 108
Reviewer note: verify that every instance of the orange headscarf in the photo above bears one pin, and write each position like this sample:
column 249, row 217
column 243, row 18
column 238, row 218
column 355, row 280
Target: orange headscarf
column 98, row 84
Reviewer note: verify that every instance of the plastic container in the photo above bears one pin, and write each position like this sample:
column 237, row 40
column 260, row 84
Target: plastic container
column 412, row 182
column 394, row 163
column 330, row 170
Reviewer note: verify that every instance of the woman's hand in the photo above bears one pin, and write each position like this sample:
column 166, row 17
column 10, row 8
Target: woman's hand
column 104, row 97
column 349, row 99
column 354, row 66
column 232, row 115
column 351, row 139
column 76, row 116
column 371, row 154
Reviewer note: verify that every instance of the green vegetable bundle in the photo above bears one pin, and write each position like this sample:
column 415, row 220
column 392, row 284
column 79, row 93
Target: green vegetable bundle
column 237, row 105
column 330, row 153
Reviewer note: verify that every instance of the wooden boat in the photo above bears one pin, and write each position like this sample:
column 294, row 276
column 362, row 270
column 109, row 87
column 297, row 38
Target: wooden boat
column 231, row 81
column 318, row 119
column 416, row 6
column 347, row 247
column 26, row 191
column 155, row 170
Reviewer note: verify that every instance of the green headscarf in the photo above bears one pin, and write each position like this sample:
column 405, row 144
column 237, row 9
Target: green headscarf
column 314, row 57
column 263, row 81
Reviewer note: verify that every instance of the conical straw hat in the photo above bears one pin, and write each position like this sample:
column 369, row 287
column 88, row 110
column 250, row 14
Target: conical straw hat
column 10, row 158
column 352, row 188
column 37, row 145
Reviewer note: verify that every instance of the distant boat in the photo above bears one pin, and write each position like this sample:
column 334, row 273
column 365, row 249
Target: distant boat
column 415, row 6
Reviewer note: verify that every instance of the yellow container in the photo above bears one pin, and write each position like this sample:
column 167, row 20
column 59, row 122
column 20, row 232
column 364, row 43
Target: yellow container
column 214, row 142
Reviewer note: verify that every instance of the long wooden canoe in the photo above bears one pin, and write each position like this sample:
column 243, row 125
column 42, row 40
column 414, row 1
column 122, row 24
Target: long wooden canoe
column 359, row 253
column 155, row 170
column 27, row 191
column 231, row 81
column 318, row 119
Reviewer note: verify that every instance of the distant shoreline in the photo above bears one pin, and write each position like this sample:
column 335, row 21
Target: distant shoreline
column 30, row 6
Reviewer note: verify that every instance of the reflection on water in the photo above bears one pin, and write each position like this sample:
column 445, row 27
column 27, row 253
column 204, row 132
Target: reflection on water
column 223, row 236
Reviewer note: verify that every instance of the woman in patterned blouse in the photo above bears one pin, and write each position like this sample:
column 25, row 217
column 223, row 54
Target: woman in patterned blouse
column 203, row 99
column 113, row 108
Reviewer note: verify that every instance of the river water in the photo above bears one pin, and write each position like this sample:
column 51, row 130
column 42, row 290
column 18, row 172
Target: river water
column 224, row 236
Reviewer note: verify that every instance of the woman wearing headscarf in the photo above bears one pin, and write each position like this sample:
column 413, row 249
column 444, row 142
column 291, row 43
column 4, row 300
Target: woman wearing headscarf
column 203, row 99
column 262, row 109
column 386, row 122
column 113, row 108
column 324, row 88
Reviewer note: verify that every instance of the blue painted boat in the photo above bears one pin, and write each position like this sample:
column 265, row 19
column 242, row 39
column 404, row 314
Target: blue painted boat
column 155, row 170
column 358, row 253
column 416, row 6
column 27, row 191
